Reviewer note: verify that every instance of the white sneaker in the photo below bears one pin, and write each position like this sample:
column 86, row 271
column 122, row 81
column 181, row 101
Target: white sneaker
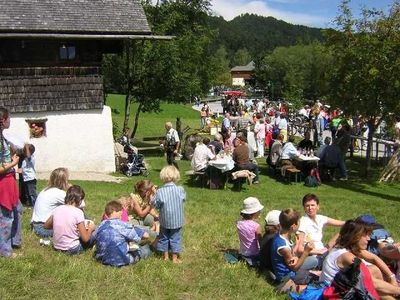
column 133, row 247
column 44, row 242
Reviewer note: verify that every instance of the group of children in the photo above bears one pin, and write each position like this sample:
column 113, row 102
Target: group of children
column 119, row 239
column 292, row 250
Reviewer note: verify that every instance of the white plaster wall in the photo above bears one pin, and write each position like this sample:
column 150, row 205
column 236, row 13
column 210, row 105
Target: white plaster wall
column 78, row 140
column 238, row 81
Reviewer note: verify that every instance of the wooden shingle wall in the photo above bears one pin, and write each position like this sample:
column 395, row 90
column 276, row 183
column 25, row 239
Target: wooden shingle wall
column 50, row 89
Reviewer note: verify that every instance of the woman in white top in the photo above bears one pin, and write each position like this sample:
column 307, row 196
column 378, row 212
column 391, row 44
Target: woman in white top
column 352, row 243
column 48, row 199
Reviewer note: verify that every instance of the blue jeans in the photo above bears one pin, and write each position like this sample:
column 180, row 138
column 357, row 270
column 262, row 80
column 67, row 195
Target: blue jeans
column 40, row 231
column 76, row 250
column 10, row 229
column 142, row 253
column 302, row 275
column 30, row 191
column 170, row 239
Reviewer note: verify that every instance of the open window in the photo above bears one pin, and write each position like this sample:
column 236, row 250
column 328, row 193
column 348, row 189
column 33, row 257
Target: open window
column 37, row 127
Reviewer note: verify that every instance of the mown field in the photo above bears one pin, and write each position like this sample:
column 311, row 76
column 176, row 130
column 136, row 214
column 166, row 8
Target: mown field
column 41, row 273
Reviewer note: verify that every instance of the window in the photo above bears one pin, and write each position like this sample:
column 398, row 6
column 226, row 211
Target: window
column 67, row 52
column 37, row 128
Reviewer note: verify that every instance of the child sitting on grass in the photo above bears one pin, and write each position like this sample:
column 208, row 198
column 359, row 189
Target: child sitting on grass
column 289, row 269
column 250, row 231
column 71, row 232
column 113, row 236
column 272, row 227
column 169, row 202
column 139, row 204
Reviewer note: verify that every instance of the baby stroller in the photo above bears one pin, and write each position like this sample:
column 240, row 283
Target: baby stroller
column 134, row 164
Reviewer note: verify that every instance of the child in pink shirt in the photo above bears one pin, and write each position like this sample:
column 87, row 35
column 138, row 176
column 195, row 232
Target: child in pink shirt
column 250, row 231
column 70, row 229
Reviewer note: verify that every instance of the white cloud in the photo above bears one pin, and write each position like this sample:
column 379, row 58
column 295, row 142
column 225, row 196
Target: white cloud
column 229, row 9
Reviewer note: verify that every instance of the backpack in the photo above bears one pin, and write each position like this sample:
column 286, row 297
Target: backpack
column 354, row 282
column 311, row 181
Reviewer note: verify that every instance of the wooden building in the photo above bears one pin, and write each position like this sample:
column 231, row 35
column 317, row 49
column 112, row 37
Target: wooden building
column 242, row 75
column 50, row 58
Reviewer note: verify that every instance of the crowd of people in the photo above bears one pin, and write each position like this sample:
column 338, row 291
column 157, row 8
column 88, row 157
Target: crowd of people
column 151, row 218
column 292, row 251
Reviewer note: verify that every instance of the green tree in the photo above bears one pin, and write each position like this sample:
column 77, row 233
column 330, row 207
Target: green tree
column 241, row 58
column 296, row 73
column 220, row 68
column 364, row 79
column 156, row 71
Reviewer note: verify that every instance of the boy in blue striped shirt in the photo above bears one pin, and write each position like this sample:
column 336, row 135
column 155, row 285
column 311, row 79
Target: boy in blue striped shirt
column 169, row 201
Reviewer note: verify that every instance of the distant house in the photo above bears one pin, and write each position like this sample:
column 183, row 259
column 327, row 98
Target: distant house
column 242, row 75
column 50, row 57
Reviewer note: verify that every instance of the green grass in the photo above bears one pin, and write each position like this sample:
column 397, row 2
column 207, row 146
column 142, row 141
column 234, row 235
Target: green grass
column 42, row 273
column 152, row 124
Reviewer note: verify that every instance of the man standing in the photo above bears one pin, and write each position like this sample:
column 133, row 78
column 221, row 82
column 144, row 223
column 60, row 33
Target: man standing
column 172, row 143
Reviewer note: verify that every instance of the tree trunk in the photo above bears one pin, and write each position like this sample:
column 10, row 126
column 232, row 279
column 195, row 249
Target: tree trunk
column 392, row 170
column 136, row 124
column 371, row 131
column 129, row 47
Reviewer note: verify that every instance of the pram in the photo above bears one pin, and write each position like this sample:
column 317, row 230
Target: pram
column 134, row 164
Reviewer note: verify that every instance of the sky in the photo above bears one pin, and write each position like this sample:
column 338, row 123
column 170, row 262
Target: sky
column 313, row 13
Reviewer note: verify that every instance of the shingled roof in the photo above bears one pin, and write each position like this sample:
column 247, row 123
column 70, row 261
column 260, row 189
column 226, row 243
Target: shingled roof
column 247, row 68
column 116, row 17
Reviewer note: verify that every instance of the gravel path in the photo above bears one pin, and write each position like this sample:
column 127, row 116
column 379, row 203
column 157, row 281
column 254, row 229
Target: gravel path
column 90, row 176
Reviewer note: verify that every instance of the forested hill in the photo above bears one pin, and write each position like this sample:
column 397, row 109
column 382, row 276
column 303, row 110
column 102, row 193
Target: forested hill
column 260, row 35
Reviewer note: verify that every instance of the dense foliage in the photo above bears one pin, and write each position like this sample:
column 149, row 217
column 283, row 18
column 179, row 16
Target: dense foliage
column 260, row 35
column 296, row 72
column 365, row 77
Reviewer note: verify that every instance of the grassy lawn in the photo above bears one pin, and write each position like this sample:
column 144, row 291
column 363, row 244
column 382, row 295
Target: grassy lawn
column 42, row 273
column 152, row 124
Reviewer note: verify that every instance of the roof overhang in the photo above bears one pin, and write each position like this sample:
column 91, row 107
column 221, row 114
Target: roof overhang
column 69, row 36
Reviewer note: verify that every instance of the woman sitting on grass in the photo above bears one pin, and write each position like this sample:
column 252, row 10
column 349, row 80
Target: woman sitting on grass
column 48, row 199
column 352, row 243
column 70, row 231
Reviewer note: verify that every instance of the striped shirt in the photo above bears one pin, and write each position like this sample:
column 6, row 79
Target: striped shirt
column 169, row 201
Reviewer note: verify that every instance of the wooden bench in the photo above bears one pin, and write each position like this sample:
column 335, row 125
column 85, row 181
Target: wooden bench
column 153, row 138
column 293, row 171
column 147, row 148
column 198, row 175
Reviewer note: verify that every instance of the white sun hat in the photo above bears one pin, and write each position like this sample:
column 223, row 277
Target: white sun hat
column 251, row 205
column 272, row 217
